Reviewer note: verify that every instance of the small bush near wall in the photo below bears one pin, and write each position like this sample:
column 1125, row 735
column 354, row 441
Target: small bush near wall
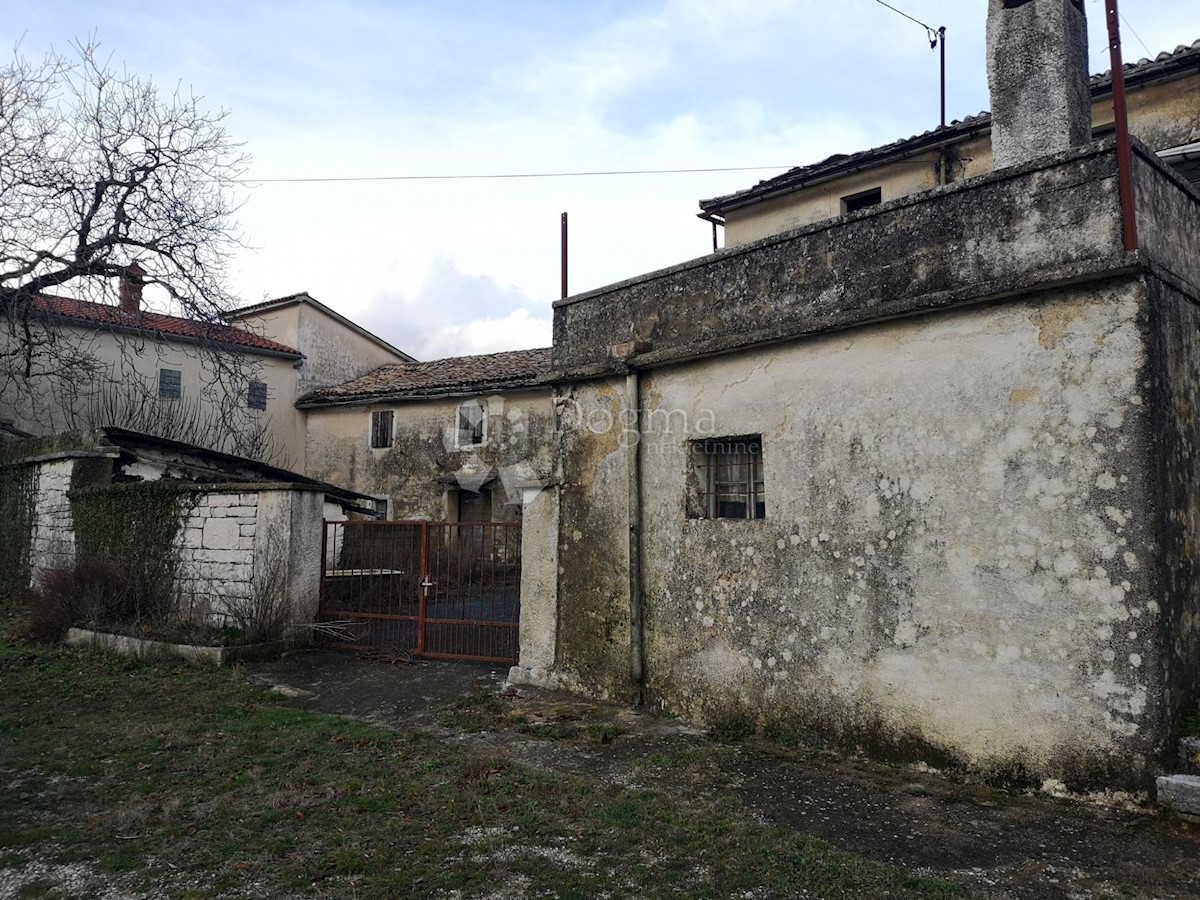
column 132, row 527
column 90, row 593
column 16, row 523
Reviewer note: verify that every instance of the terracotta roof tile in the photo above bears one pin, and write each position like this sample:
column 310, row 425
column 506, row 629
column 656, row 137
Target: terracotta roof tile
column 454, row 375
column 86, row 312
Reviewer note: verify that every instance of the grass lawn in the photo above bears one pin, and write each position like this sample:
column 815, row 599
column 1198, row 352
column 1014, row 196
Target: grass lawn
column 176, row 781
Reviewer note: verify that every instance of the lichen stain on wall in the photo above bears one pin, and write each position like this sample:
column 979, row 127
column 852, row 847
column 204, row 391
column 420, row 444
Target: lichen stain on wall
column 593, row 624
column 956, row 543
column 1177, row 335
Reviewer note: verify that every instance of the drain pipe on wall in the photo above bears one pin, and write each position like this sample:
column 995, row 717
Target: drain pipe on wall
column 632, row 444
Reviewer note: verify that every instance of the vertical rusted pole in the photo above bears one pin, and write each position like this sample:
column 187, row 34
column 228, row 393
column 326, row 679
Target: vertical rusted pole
column 322, row 600
column 714, row 225
column 1121, row 116
column 942, row 41
column 564, row 255
column 424, row 590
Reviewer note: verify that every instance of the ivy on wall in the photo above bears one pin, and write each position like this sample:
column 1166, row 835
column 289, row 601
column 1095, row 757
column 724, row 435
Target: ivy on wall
column 133, row 528
column 16, row 526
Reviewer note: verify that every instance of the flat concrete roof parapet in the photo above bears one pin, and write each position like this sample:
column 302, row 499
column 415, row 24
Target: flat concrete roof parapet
column 1041, row 224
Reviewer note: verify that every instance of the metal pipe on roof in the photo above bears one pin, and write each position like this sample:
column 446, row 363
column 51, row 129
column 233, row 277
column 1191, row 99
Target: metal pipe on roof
column 564, row 256
column 1121, row 117
column 942, row 41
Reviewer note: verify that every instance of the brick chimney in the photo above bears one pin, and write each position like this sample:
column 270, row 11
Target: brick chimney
column 131, row 289
column 1038, row 76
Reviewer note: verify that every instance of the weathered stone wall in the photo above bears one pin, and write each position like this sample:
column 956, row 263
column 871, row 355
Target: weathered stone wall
column 232, row 540
column 215, row 551
column 1048, row 222
column 539, row 588
column 593, row 652
column 1176, row 368
column 1168, row 220
column 424, row 465
column 52, row 541
column 1037, row 58
column 237, row 545
column 978, row 443
column 958, row 555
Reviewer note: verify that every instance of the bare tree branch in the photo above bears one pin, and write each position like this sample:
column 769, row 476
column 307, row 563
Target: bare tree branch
column 100, row 169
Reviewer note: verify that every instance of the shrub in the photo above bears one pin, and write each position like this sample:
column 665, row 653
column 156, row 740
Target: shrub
column 733, row 729
column 88, row 593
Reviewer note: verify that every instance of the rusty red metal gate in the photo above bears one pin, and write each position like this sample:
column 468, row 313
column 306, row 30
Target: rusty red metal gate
column 446, row 590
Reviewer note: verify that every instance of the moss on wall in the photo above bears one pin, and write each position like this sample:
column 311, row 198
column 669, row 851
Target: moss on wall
column 16, row 524
column 133, row 527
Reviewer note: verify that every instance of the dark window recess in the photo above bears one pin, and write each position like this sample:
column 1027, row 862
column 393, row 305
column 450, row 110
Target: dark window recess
column 170, row 383
column 381, row 429
column 256, row 395
column 855, row 202
column 472, row 424
column 1013, row 4
column 730, row 472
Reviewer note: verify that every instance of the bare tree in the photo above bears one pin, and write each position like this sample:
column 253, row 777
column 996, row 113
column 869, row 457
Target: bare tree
column 99, row 169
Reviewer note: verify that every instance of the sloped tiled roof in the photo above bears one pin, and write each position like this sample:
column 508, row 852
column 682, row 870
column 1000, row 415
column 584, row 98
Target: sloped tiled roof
column 438, row 377
column 85, row 312
column 1144, row 70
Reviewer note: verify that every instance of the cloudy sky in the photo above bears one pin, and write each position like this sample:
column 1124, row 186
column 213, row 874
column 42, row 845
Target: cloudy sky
column 416, row 87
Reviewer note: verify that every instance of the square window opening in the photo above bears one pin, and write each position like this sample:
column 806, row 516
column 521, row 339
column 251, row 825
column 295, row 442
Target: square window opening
column 855, row 202
column 170, row 384
column 730, row 475
column 381, row 429
column 471, row 424
column 256, row 395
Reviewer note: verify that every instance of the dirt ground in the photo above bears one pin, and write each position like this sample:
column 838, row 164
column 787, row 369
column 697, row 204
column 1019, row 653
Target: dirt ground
column 1001, row 844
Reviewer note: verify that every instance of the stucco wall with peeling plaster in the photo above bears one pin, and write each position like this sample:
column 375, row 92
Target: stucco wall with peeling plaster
column 957, row 557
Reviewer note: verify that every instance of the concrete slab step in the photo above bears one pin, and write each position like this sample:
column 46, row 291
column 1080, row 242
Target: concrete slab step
column 1180, row 793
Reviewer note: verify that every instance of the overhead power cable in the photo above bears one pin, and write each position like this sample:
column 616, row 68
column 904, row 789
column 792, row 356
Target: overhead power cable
column 343, row 178
column 933, row 32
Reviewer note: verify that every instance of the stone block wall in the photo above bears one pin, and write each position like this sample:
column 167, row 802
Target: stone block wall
column 52, row 537
column 233, row 541
column 215, row 547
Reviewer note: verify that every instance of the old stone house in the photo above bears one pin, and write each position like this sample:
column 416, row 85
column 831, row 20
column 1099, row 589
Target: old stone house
column 919, row 480
column 448, row 440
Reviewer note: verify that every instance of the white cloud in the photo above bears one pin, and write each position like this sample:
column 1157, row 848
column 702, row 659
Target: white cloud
column 452, row 313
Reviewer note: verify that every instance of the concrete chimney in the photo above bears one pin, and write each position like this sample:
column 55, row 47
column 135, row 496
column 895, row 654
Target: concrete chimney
column 131, row 289
column 1038, row 76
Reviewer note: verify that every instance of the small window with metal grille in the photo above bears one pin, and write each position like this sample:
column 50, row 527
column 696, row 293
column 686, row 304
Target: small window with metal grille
column 256, row 395
column 729, row 472
column 170, row 384
column 381, row 429
column 471, row 426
